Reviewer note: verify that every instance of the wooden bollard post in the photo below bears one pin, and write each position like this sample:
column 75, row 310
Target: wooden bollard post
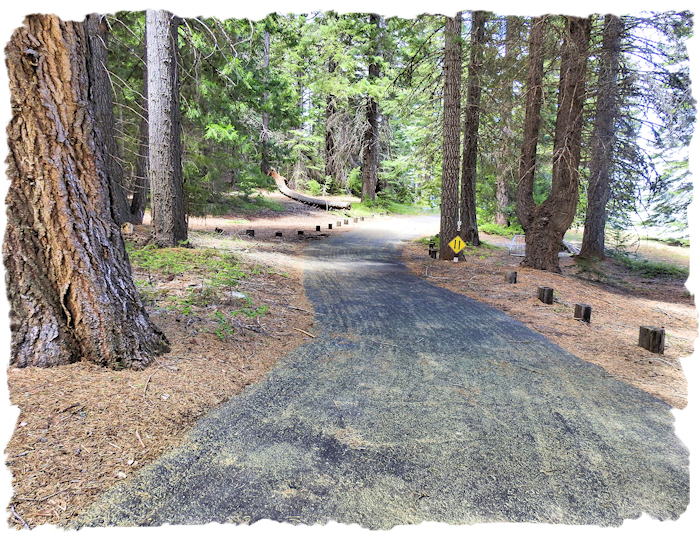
column 354, row 220
column 278, row 234
column 338, row 223
column 250, row 232
column 346, row 221
column 511, row 277
column 545, row 294
column 652, row 338
column 300, row 232
column 582, row 312
column 318, row 228
column 362, row 219
column 330, row 226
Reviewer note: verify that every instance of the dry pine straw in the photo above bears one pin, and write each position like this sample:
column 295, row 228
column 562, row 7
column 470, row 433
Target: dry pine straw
column 83, row 428
column 619, row 308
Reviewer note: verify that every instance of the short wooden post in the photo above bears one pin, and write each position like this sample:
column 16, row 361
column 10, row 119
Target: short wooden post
column 338, row 223
column 652, row 338
column 278, row 234
column 330, row 226
column 250, row 232
column 582, row 312
column 346, row 221
column 362, row 219
column 511, row 277
column 545, row 294
column 300, row 232
column 318, row 228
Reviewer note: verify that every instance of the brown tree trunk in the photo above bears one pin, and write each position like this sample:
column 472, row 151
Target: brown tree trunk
column 101, row 100
column 452, row 72
column 141, row 182
column 604, row 131
column 531, row 128
column 330, row 131
column 467, row 206
column 265, row 161
column 69, row 284
column 165, row 167
column 504, row 155
column 370, row 145
column 548, row 222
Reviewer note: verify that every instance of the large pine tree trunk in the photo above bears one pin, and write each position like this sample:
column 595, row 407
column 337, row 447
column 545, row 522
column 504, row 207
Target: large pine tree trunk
column 531, row 128
column 504, row 155
column 330, row 130
column 265, row 160
column 165, row 167
column 101, row 100
column 452, row 72
column 607, row 111
column 141, row 186
column 547, row 223
column 69, row 284
column 370, row 145
column 467, row 204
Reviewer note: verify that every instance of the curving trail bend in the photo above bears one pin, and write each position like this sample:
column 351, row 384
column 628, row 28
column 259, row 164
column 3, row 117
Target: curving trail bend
column 414, row 404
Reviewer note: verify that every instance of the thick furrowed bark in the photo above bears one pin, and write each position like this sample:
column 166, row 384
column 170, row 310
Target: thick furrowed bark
column 69, row 283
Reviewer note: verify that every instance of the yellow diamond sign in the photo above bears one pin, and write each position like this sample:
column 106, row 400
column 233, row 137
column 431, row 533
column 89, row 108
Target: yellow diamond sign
column 457, row 244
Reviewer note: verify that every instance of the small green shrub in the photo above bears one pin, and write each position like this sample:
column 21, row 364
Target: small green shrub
column 498, row 230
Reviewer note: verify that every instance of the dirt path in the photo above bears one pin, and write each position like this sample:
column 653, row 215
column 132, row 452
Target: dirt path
column 412, row 404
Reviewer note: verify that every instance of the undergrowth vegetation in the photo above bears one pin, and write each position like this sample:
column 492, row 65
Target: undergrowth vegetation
column 217, row 274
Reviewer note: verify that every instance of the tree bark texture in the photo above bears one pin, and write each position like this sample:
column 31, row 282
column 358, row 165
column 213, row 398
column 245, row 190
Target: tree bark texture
column 103, row 111
column 370, row 145
column 165, row 167
column 505, row 162
column 69, row 283
column 604, row 134
column 265, row 161
column 141, row 182
column 452, row 72
column 546, row 224
column 330, row 131
column 525, row 203
column 467, row 205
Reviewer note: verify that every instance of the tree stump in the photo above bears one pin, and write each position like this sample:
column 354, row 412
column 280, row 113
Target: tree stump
column 545, row 294
column 511, row 277
column 652, row 338
column 583, row 312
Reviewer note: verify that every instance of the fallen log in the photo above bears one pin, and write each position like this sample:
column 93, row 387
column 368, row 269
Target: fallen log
column 322, row 203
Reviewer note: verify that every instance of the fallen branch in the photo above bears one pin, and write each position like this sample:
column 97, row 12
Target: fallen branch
column 322, row 203
column 302, row 331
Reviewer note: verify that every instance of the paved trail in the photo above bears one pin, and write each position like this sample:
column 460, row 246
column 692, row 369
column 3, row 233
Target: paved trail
column 415, row 404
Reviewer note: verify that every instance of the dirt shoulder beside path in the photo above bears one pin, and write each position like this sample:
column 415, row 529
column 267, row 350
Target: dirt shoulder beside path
column 82, row 428
column 619, row 306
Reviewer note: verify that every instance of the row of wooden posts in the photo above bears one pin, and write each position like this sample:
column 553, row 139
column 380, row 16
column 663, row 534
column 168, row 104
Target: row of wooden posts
column 338, row 224
column 650, row 338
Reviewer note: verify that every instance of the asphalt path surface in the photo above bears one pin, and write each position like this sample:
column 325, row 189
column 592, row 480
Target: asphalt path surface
column 414, row 404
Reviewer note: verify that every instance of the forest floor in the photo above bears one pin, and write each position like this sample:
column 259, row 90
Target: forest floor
column 83, row 428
